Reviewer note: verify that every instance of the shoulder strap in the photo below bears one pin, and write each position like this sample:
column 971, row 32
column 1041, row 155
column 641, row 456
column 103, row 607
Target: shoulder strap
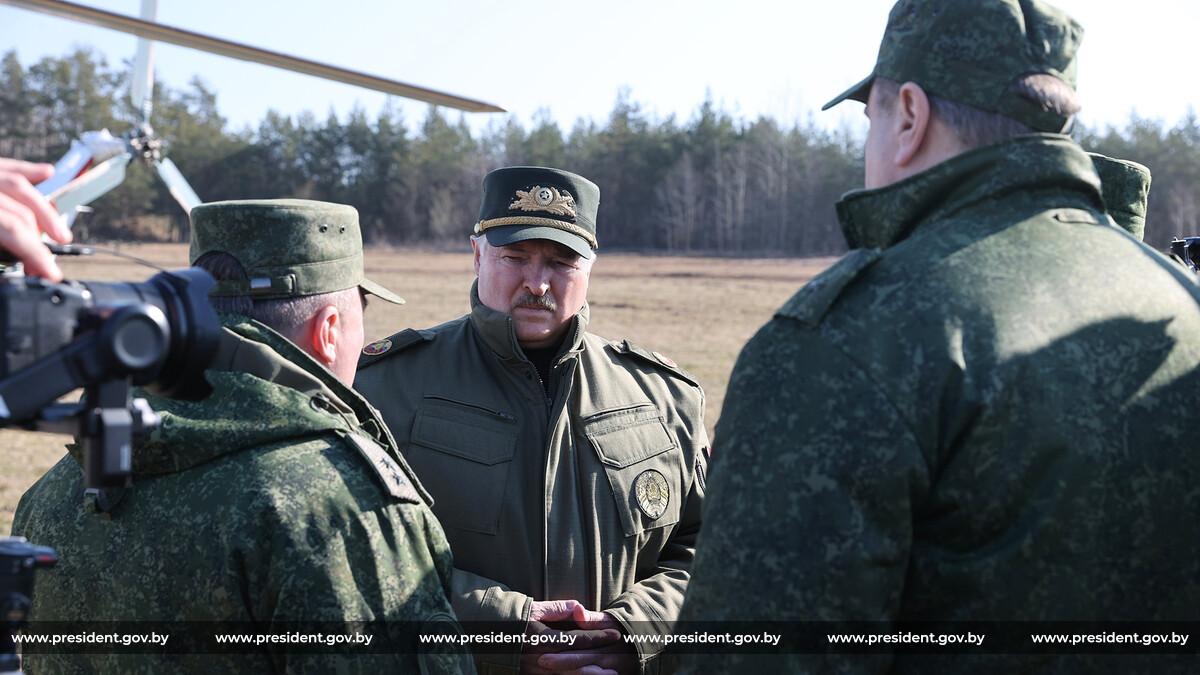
column 814, row 299
column 377, row 350
column 396, row 479
column 627, row 348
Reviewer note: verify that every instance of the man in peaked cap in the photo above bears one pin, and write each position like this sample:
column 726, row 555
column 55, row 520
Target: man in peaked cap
column 976, row 413
column 567, row 469
column 280, row 498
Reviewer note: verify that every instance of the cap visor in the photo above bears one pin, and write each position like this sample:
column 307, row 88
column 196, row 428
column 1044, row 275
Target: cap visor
column 859, row 92
column 380, row 292
column 511, row 234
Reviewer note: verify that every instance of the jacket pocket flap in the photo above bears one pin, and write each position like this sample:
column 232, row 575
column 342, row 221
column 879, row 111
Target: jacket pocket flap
column 628, row 435
column 456, row 433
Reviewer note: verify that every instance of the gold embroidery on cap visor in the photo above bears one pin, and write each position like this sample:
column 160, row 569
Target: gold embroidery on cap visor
column 650, row 489
column 485, row 225
column 548, row 199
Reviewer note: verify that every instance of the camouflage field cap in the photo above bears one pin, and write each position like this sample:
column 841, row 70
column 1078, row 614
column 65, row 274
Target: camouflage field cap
column 973, row 51
column 534, row 202
column 1125, row 186
column 289, row 247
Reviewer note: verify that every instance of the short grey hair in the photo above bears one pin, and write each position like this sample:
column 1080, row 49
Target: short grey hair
column 976, row 128
column 286, row 315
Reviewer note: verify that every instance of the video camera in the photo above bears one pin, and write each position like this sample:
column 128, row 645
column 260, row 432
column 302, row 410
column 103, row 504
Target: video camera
column 105, row 337
column 1187, row 251
column 18, row 560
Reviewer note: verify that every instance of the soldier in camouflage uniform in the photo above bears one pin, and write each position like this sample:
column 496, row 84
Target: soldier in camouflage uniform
column 279, row 498
column 985, row 410
column 1125, row 186
column 567, row 469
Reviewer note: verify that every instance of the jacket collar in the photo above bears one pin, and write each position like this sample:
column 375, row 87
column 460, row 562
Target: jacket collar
column 265, row 390
column 882, row 217
column 299, row 371
column 497, row 331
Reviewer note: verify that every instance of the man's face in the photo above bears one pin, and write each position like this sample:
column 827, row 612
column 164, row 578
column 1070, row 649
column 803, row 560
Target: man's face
column 542, row 284
column 881, row 146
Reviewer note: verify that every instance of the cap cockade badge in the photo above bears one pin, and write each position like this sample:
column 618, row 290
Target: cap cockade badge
column 549, row 199
column 650, row 489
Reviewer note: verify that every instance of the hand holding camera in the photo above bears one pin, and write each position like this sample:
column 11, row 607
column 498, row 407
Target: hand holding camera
column 25, row 215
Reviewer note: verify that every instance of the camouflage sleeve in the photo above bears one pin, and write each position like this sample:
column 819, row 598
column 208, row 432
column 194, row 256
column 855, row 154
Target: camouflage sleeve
column 653, row 604
column 812, row 490
column 352, row 553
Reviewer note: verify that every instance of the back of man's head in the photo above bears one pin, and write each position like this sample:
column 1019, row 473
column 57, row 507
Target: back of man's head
column 287, row 316
column 294, row 265
column 992, row 69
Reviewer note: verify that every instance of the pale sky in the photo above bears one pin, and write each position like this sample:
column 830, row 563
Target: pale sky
column 782, row 59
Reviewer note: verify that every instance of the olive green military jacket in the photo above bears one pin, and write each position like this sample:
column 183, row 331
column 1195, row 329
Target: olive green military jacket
column 539, row 495
column 982, row 412
column 277, row 499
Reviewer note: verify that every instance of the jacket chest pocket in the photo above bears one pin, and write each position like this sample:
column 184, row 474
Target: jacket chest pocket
column 643, row 463
column 462, row 454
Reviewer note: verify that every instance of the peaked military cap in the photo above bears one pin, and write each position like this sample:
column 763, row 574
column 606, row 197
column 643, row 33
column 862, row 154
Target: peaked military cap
column 288, row 247
column 974, row 51
column 534, row 202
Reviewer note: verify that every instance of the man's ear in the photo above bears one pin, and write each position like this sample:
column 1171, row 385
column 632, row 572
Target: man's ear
column 476, row 249
column 324, row 334
column 911, row 118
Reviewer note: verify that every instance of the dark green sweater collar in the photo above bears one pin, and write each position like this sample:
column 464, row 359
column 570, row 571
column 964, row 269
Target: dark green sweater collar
column 882, row 217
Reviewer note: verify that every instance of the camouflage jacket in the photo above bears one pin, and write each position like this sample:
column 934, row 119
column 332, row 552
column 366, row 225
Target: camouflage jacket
column 1125, row 186
column 982, row 412
column 539, row 494
column 277, row 499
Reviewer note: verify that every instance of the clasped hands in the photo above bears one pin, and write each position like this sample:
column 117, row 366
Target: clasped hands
column 594, row 646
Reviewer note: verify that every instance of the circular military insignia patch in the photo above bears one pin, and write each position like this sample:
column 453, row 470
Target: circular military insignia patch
column 543, row 196
column 378, row 347
column 650, row 490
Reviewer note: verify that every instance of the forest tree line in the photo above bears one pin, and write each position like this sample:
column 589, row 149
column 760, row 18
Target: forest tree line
column 713, row 183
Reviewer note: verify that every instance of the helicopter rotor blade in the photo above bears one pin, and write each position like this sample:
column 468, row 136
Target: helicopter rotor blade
column 90, row 185
column 141, row 88
column 177, row 184
column 185, row 38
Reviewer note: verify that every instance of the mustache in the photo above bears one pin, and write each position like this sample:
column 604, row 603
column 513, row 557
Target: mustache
column 532, row 301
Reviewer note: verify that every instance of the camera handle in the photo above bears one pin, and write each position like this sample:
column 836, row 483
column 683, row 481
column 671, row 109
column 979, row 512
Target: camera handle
column 105, row 420
column 133, row 340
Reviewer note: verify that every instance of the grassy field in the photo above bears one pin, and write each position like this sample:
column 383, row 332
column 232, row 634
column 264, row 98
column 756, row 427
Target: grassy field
column 698, row 311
